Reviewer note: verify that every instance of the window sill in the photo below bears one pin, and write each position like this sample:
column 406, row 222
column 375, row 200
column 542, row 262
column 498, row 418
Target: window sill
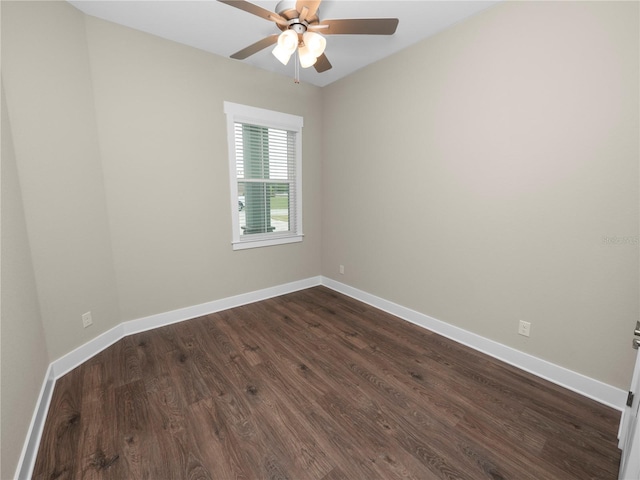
column 266, row 242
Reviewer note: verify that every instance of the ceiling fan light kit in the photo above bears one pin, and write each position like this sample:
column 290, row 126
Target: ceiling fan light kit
column 297, row 19
column 310, row 45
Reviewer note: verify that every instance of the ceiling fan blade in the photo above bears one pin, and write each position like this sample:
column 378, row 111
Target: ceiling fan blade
column 361, row 26
column 318, row 26
column 303, row 14
column 256, row 47
column 322, row 64
column 255, row 10
column 311, row 5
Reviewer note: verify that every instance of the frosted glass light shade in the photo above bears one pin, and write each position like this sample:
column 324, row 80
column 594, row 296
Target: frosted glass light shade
column 287, row 43
column 315, row 42
column 281, row 54
column 288, row 40
column 307, row 58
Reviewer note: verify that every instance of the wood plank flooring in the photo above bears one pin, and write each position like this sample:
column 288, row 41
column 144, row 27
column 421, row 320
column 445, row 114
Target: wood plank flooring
column 315, row 385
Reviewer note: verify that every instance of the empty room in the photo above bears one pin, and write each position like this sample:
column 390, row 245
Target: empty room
column 320, row 239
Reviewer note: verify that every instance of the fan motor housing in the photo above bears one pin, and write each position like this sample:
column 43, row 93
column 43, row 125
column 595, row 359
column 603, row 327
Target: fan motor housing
column 287, row 9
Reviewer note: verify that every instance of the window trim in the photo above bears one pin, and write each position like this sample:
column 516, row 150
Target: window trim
column 238, row 113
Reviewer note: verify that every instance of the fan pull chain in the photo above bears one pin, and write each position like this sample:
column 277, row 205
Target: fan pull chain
column 296, row 77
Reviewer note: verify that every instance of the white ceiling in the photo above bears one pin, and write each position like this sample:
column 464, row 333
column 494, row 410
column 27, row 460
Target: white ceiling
column 221, row 29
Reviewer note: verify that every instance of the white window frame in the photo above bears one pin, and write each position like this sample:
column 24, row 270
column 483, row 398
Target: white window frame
column 238, row 113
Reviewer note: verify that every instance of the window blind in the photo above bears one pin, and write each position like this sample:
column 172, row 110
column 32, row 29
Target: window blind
column 266, row 179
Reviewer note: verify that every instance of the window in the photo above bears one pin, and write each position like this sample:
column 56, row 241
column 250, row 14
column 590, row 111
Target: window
column 265, row 175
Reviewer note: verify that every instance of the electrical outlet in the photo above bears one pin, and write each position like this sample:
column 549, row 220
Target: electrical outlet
column 86, row 319
column 524, row 328
column 341, row 269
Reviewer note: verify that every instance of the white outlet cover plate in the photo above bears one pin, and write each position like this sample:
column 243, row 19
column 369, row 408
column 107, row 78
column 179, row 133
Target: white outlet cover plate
column 524, row 328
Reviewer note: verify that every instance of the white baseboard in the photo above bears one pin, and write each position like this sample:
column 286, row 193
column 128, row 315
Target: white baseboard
column 601, row 392
column 588, row 387
column 30, row 448
column 76, row 357
column 167, row 318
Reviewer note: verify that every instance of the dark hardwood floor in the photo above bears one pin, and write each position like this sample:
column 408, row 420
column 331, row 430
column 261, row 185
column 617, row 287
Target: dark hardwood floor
column 315, row 385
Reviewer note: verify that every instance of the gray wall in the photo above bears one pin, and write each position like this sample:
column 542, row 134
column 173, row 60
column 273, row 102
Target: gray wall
column 163, row 137
column 490, row 174
column 23, row 349
column 45, row 69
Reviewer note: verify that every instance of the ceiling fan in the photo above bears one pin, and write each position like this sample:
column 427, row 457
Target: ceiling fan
column 301, row 28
